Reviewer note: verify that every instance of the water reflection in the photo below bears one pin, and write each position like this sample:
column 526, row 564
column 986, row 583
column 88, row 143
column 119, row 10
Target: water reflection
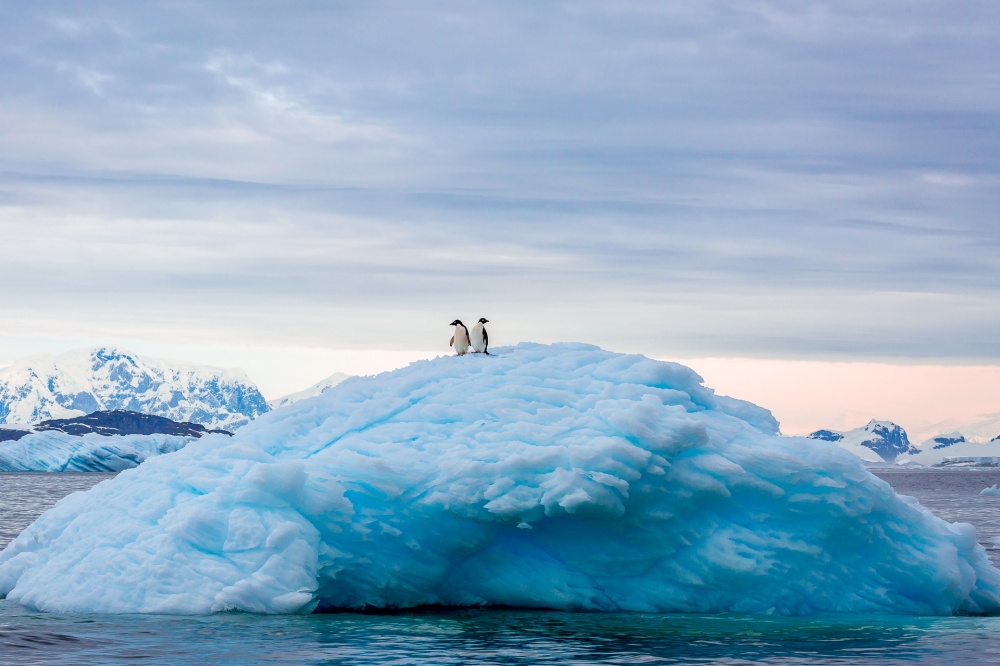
column 494, row 637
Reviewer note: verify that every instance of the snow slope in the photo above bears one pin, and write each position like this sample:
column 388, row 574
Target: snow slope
column 559, row 476
column 311, row 392
column 942, row 441
column 84, row 381
column 877, row 441
column 55, row 451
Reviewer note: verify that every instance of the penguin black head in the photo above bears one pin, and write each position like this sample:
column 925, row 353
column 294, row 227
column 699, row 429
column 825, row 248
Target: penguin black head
column 484, row 320
column 457, row 322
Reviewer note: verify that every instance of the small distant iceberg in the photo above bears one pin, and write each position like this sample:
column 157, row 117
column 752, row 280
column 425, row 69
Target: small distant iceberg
column 547, row 476
column 105, row 441
column 992, row 490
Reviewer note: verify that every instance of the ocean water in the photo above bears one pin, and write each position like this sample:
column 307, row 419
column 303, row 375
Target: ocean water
column 505, row 636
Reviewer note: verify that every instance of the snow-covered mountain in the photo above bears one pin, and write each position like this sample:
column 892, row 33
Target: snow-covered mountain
column 310, row 392
column 878, row 441
column 953, row 450
column 981, row 428
column 88, row 380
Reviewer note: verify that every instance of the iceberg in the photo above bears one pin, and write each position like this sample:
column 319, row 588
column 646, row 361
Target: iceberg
column 547, row 476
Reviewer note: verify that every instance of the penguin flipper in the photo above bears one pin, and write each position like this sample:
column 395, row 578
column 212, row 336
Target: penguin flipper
column 486, row 341
column 451, row 343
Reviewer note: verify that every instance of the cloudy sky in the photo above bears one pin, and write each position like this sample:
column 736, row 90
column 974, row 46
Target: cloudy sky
column 301, row 185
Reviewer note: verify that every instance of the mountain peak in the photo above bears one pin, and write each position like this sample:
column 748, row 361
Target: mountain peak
column 111, row 354
column 885, row 438
column 314, row 390
column 875, row 424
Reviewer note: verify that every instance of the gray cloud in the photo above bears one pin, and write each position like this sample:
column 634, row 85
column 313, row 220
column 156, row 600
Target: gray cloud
column 778, row 179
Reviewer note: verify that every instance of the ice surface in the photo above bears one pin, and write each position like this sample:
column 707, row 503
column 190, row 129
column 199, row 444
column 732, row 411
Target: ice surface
column 557, row 476
column 55, row 451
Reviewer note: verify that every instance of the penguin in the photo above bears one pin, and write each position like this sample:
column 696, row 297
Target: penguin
column 460, row 340
column 480, row 339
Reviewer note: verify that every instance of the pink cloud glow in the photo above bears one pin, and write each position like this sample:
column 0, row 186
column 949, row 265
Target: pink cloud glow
column 808, row 395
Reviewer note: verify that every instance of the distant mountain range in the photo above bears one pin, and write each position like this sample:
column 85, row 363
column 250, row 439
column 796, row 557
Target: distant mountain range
column 110, row 423
column 55, row 391
column 982, row 427
column 81, row 382
column 312, row 391
column 881, row 442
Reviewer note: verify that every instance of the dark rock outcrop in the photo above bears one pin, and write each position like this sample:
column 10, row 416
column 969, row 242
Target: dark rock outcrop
column 827, row 435
column 123, row 422
column 11, row 434
column 944, row 441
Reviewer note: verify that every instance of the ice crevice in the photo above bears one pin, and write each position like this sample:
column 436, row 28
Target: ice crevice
column 549, row 476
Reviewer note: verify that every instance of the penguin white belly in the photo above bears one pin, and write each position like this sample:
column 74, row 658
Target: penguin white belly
column 477, row 342
column 461, row 340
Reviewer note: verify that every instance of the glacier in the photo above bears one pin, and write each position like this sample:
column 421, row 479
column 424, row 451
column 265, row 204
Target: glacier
column 547, row 476
column 55, row 451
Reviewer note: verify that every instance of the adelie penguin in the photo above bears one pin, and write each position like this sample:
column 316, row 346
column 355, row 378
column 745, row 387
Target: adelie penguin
column 460, row 340
column 480, row 339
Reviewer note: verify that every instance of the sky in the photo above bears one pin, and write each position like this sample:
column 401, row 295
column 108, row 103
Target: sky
column 301, row 188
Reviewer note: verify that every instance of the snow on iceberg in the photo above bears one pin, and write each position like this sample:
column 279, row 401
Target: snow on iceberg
column 558, row 476
column 55, row 451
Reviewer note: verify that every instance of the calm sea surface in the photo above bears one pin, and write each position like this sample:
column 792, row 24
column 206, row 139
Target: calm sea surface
column 504, row 637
